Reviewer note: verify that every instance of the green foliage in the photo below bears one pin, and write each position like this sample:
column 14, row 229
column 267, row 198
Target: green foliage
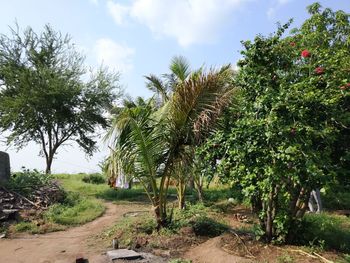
column 325, row 232
column 336, row 198
column 43, row 96
column 29, row 227
column 205, row 226
column 27, row 181
column 74, row 211
column 294, row 108
column 285, row 258
column 151, row 142
column 94, row 179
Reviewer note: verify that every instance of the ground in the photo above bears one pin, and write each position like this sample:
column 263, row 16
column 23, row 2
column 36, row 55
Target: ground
column 63, row 246
column 129, row 212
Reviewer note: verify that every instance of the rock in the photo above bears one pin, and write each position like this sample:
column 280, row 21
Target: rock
column 4, row 167
column 124, row 254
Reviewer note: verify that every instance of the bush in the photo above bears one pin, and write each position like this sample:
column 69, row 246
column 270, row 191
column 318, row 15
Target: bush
column 26, row 181
column 324, row 231
column 205, row 226
column 336, row 198
column 94, row 179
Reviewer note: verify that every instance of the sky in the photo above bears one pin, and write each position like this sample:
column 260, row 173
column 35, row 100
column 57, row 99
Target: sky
column 139, row 37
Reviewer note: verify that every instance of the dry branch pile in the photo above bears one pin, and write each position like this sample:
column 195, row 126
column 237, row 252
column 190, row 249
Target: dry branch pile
column 12, row 202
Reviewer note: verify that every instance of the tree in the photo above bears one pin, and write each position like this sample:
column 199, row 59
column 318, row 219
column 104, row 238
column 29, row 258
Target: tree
column 154, row 143
column 295, row 106
column 43, row 97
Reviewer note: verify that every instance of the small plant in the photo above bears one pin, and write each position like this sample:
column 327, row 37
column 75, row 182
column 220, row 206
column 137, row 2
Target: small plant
column 285, row 258
column 94, row 179
column 323, row 231
column 26, row 227
column 26, row 181
column 205, row 226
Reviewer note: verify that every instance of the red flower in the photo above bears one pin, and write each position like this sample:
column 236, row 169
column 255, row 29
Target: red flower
column 319, row 70
column 292, row 44
column 305, row 53
column 348, row 85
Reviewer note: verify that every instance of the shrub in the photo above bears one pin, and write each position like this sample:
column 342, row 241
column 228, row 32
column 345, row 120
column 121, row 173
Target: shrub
column 324, row 231
column 94, row 179
column 26, row 181
column 280, row 141
column 205, row 226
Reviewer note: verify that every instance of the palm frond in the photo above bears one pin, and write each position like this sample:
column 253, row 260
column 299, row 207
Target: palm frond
column 180, row 67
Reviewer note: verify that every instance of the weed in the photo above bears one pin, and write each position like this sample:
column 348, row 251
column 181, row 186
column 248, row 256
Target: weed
column 205, row 226
column 325, row 231
column 285, row 258
column 29, row 227
column 94, row 179
column 74, row 211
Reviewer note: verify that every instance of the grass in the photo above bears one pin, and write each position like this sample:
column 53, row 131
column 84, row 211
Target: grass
column 325, row 231
column 78, row 212
column 74, row 183
column 81, row 205
column 141, row 230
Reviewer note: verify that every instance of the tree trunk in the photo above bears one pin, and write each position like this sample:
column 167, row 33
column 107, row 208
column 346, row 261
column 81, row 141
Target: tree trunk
column 49, row 160
column 271, row 204
column 181, row 193
column 160, row 215
column 200, row 193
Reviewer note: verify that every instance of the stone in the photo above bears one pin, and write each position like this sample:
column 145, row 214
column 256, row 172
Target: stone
column 4, row 167
column 124, row 254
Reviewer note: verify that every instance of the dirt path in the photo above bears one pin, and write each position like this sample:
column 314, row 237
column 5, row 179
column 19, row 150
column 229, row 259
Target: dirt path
column 212, row 252
column 63, row 246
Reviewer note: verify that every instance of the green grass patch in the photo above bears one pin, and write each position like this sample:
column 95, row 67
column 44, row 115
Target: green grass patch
column 74, row 211
column 35, row 228
column 74, row 183
column 94, row 179
column 325, row 231
column 29, row 227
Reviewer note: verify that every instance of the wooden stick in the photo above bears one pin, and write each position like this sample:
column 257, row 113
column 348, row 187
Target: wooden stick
column 323, row 258
column 21, row 196
column 242, row 241
column 302, row 252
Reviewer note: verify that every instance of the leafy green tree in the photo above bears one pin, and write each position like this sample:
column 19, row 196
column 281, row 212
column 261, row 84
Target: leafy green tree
column 43, row 97
column 152, row 142
column 295, row 105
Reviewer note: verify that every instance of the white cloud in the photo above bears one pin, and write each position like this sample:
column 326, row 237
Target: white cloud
column 188, row 21
column 114, row 55
column 118, row 11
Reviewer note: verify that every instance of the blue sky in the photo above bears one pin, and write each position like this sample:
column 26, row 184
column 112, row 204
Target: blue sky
column 139, row 37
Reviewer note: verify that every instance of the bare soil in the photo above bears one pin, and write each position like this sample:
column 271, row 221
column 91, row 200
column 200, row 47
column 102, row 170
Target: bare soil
column 83, row 242
column 64, row 246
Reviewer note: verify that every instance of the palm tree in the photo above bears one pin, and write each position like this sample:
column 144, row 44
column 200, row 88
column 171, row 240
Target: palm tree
column 159, row 143
column 165, row 85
